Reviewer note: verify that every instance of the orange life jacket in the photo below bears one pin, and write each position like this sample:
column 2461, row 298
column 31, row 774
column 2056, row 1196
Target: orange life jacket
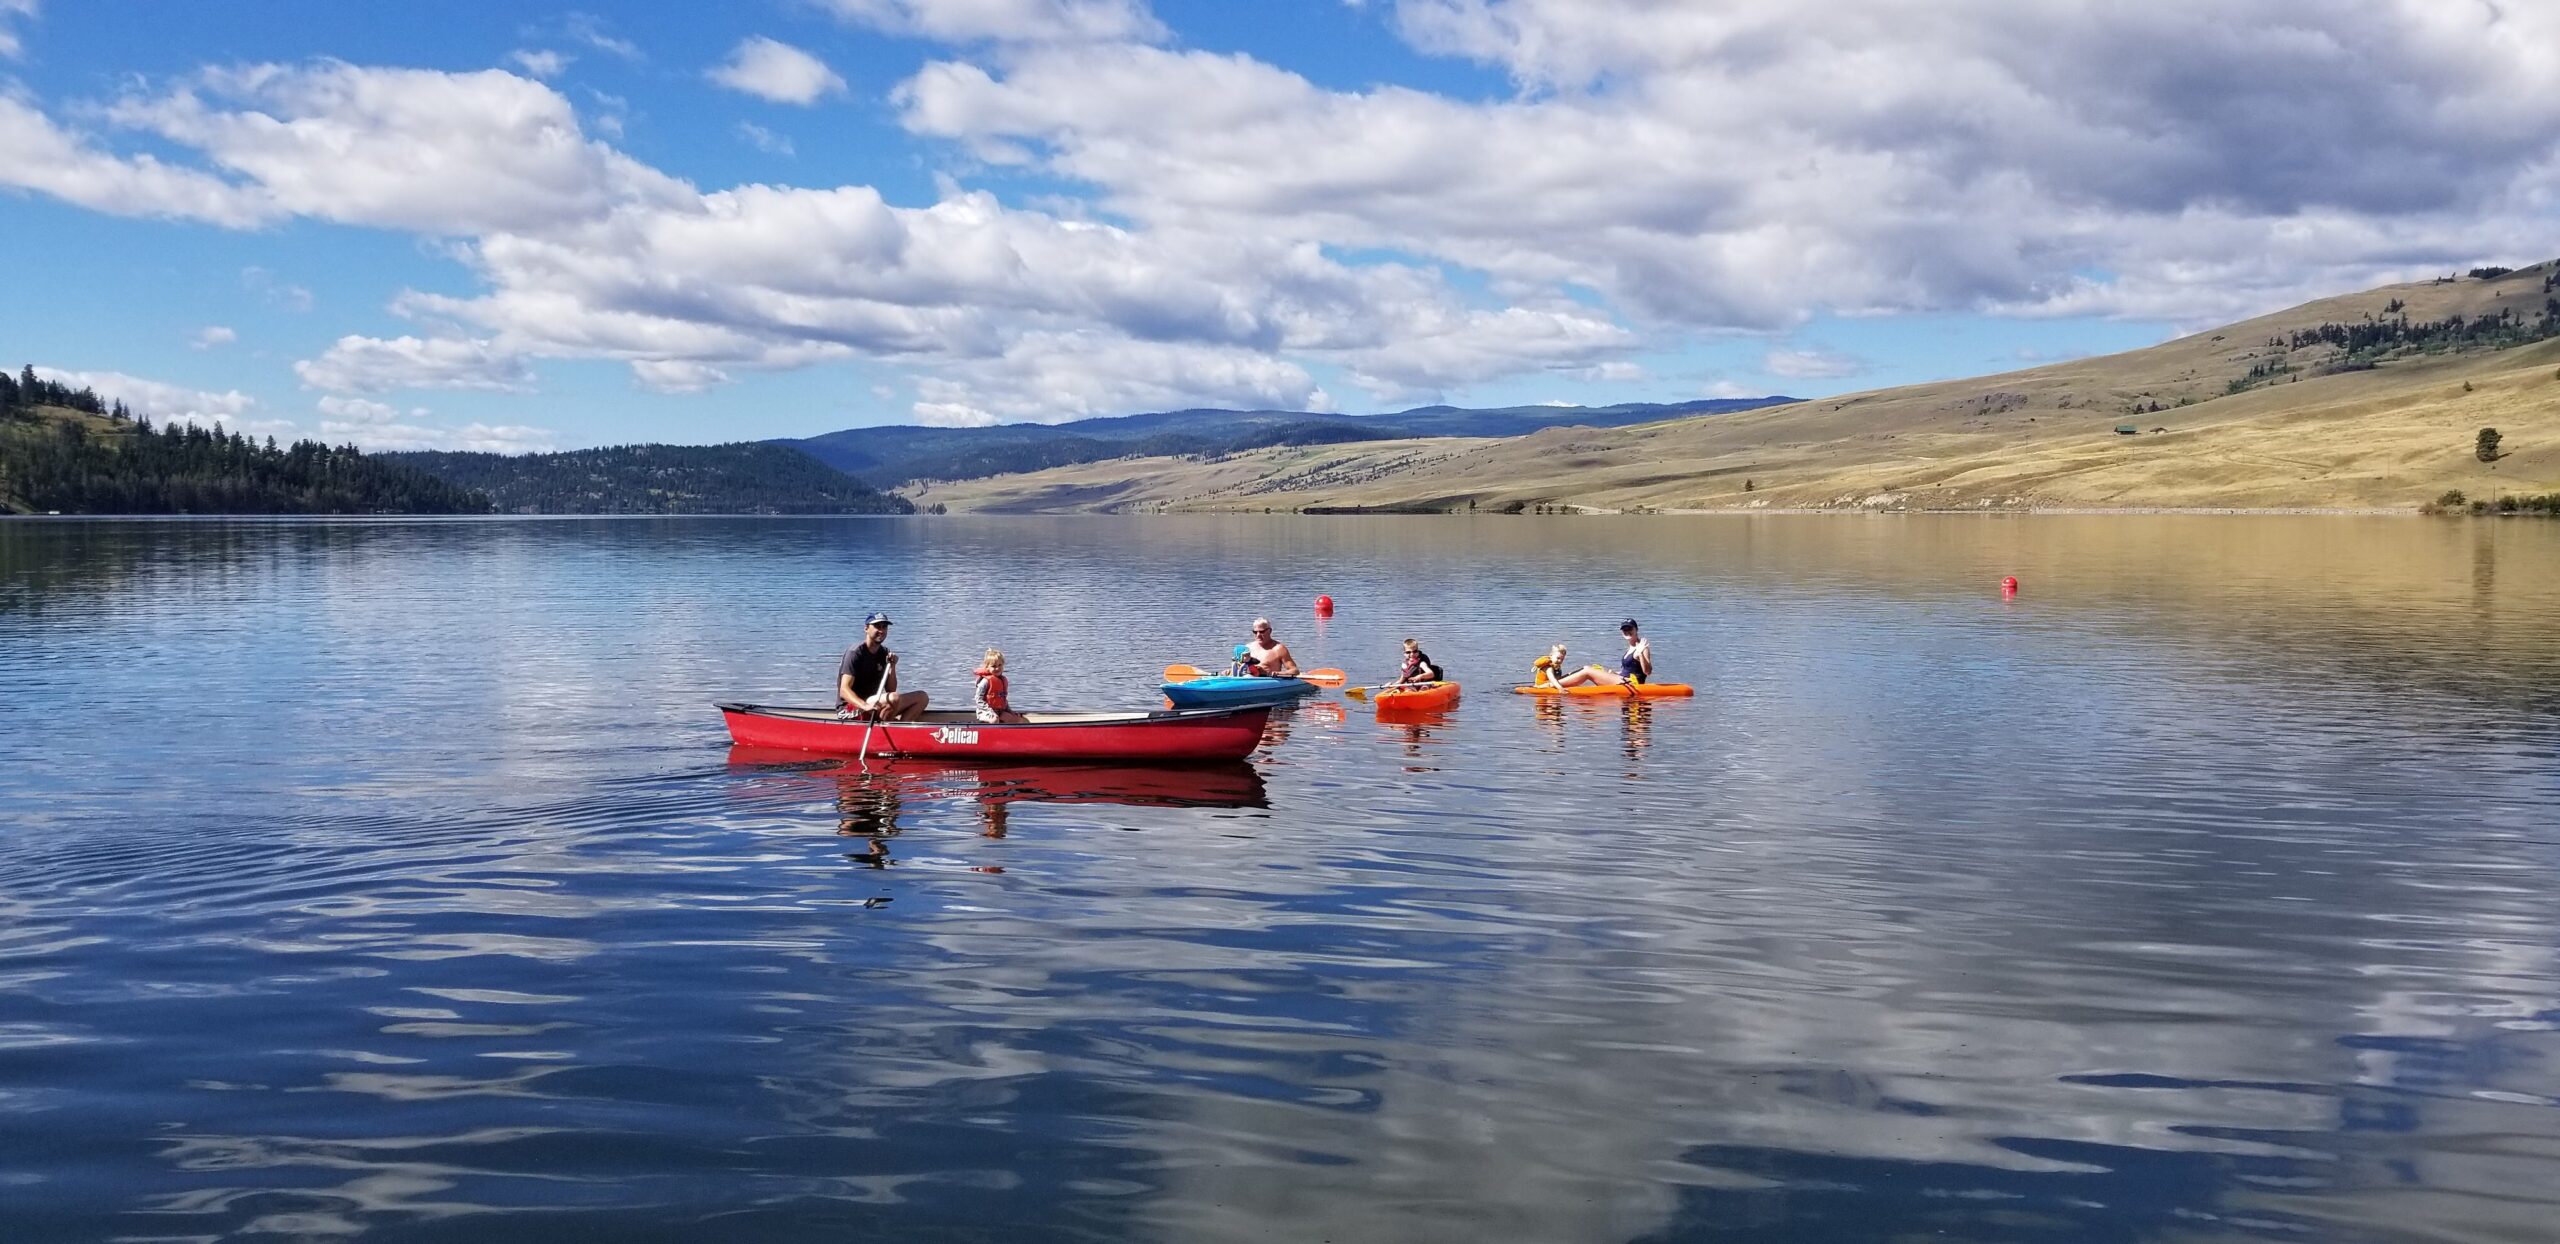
column 991, row 690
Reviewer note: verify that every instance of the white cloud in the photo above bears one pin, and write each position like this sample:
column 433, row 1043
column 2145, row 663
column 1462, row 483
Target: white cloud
column 434, row 153
column 1006, row 21
column 1425, row 360
column 374, row 365
column 10, row 11
column 541, row 63
column 359, row 410
column 470, row 437
column 769, row 69
column 379, row 426
column 158, row 399
column 765, row 140
column 211, row 335
column 35, row 154
column 676, row 375
column 264, row 283
column 587, row 29
column 1052, row 378
column 1745, row 164
column 1725, row 389
column 1810, row 364
column 1668, row 171
column 952, row 415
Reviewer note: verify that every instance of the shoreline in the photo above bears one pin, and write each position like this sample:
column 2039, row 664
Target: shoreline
column 2226, row 511
column 2318, row 511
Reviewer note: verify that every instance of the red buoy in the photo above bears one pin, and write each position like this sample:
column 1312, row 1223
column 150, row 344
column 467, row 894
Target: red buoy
column 2009, row 586
column 1324, row 606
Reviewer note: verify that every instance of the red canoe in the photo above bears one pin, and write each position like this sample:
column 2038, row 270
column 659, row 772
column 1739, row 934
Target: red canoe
column 1189, row 735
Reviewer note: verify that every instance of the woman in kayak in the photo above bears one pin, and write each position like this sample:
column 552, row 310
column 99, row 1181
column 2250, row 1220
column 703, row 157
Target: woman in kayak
column 1549, row 671
column 1270, row 655
column 1636, row 667
column 1418, row 666
column 991, row 702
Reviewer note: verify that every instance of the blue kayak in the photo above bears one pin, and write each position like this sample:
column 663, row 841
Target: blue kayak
column 1227, row 691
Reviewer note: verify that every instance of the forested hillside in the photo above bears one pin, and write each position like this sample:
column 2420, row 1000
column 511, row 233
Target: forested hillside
column 70, row 451
column 743, row 478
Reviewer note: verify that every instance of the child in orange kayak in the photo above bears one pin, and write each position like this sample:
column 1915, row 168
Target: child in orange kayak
column 1418, row 666
column 992, row 705
column 1549, row 671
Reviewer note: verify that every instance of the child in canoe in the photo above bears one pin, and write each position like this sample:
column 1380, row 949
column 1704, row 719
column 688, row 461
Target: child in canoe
column 1549, row 671
column 1418, row 666
column 991, row 703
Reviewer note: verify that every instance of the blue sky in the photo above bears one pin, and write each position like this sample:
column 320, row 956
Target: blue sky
column 505, row 226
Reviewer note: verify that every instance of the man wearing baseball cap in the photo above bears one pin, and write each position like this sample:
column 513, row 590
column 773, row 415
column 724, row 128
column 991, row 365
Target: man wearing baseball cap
column 867, row 677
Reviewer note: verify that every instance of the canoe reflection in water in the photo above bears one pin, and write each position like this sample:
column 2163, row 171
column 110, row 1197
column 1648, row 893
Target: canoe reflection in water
column 871, row 799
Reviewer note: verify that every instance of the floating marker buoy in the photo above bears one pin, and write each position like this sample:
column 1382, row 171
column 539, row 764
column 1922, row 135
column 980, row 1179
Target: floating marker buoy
column 1324, row 606
column 2009, row 586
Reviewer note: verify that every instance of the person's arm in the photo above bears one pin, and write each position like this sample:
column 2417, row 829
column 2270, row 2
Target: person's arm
column 1288, row 662
column 844, row 689
column 1644, row 659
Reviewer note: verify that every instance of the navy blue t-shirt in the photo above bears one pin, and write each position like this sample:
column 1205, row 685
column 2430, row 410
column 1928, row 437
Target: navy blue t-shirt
column 868, row 667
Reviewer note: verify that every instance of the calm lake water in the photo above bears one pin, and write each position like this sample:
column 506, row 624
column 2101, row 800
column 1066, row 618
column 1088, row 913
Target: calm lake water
column 395, row 880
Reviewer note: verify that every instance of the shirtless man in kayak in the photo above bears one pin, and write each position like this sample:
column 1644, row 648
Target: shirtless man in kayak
column 867, row 677
column 1270, row 654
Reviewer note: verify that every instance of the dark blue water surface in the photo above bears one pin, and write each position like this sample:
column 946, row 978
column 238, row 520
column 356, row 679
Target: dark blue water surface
column 395, row 880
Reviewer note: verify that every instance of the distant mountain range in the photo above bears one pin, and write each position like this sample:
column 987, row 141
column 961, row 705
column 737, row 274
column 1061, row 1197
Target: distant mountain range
column 889, row 456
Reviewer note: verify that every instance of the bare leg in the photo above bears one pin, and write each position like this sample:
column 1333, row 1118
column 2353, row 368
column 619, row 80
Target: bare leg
column 908, row 706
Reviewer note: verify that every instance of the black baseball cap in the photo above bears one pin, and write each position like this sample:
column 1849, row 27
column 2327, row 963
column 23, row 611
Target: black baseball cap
column 1628, row 625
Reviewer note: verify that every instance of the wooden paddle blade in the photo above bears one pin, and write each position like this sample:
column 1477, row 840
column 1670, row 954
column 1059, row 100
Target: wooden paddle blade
column 1357, row 693
column 1183, row 673
column 1324, row 678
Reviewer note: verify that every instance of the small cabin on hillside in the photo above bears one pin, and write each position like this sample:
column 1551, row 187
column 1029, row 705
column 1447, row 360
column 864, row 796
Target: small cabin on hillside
column 2127, row 429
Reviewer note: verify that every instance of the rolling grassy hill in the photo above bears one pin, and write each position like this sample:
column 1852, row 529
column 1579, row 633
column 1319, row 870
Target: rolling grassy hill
column 2365, row 400
column 890, row 456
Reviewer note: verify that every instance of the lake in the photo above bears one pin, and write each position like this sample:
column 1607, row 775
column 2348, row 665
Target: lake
column 394, row 880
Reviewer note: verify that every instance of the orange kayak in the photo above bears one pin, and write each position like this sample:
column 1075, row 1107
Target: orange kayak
column 1641, row 691
column 1421, row 695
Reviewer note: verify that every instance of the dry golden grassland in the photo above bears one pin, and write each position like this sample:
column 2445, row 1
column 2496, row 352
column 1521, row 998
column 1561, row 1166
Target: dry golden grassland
column 2389, row 437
